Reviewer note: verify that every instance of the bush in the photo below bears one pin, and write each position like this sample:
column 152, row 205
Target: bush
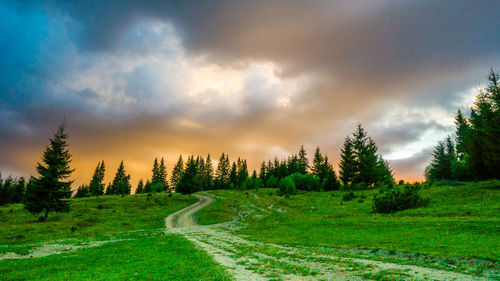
column 272, row 182
column 157, row 187
column 348, row 196
column 287, row 187
column 306, row 182
column 393, row 200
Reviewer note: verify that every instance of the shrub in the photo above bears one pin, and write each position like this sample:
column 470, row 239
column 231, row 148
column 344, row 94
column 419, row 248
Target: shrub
column 306, row 182
column 272, row 182
column 157, row 187
column 348, row 196
column 393, row 200
column 401, row 182
column 287, row 187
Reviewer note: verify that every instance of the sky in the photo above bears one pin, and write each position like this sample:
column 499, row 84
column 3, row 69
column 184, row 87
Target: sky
column 136, row 80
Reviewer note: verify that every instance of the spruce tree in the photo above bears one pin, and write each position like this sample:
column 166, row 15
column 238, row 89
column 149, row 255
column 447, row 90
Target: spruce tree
column 263, row 172
column 177, row 173
column 208, row 173
column 233, row 176
column 348, row 163
column 155, row 178
column 317, row 163
column 303, row 162
column 162, row 175
column 188, row 183
column 140, row 187
column 222, row 173
column 46, row 193
column 96, row 185
column 121, row 182
column 242, row 171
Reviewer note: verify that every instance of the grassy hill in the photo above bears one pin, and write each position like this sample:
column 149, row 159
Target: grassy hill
column 460, row 221
column 102, row 238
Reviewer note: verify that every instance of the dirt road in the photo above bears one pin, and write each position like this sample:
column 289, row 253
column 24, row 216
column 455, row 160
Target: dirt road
column 251, row 260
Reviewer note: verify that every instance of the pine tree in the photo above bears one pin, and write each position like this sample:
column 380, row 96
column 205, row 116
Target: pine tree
column 109, row 191
column 140, row 187
column 318, row 162
column 222, row 173
column 242, row 171
column 188, row 183
column 155, row 178
column 162, row 175
column 121, row 182
column 82, row 191
column 96, row 186
column 263, row 172
column 303, row 162
column 438, row 168
column 208, row 173
column 347, row 162
column 46, row 192
column 233, row 176
column 177, row 173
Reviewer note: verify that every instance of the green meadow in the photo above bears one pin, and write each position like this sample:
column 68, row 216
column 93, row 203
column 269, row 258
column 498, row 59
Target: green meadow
column 460, row 221
column 130, row 229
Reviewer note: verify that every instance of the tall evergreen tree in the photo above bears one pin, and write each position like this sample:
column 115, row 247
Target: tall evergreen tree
column 46, row 193
column 96, row 186
column 140, row 187
column 242, row 171
column 233, row 176
column 439, row 168
column 155, row 178
column 188, row 183
column 222, row 173
column 303, row 161
column 317, row 163
column 208, row 173
column 121, row 182
column 162, row 175
column 263, row 172
column 177, row 172
column 348, row 165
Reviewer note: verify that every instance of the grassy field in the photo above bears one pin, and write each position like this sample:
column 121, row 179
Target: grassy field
column 460, row 221
column 103, row 238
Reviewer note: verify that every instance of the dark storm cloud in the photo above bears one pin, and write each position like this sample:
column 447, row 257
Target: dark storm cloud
column 357, row 56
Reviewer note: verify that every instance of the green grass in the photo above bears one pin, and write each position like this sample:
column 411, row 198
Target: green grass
column 140, row 250
column 159, row 257
column 460, row 221
column 93, row 216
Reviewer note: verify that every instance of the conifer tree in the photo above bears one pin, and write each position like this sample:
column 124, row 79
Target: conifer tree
column 303, row 162
column 233, row 176
column 188, row 183
column 177, row 172
column 162, row 174
column 263, row 172
column 347, row 162
column 46, row 193
column 96, row 185
column 140, row 187
column 222, row 173
column 156, row 172
column 109, row 191
column 121, row 182
column 208, row 173
column 242, row 171
column 317, row 163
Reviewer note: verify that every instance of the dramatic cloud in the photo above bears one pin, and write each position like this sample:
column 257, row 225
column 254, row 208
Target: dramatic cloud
column 141, row 79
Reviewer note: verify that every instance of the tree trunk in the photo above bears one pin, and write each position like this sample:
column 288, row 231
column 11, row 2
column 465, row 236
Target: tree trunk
column 46, row 214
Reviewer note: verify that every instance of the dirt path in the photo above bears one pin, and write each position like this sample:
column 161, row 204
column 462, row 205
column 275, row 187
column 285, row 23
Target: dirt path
column 250, row 260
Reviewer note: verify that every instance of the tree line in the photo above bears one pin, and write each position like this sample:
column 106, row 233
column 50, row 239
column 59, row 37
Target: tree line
column 474, row 154
column 360, row 167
